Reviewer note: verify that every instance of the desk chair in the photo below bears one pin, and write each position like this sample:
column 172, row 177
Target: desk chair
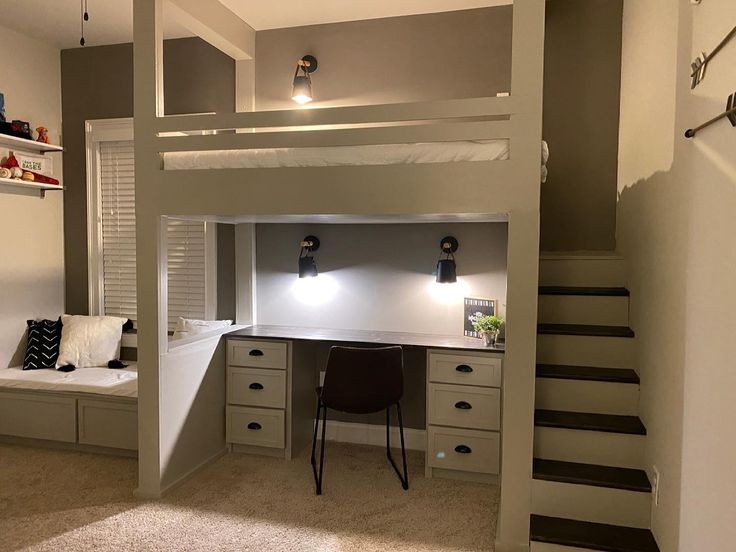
column 361, row 381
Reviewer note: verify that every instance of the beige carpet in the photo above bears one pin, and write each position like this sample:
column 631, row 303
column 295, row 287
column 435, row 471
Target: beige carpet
column 66, row 501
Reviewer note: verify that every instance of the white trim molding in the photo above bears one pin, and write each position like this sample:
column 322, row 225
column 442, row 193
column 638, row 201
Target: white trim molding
column 374, row 435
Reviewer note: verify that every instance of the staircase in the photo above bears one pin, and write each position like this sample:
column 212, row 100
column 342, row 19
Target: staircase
column 589, row 489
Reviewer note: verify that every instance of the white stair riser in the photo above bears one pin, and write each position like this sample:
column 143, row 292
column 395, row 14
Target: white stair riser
column 589, row 447
column 589, row 503
column 545, row 547
column 584, row 309
column 574, row 350
column 595, row 271
column 596, row 397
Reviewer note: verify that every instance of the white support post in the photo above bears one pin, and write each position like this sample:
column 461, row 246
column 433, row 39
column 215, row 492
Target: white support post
column 512, row 533
column 245, row 274
column 148, row 104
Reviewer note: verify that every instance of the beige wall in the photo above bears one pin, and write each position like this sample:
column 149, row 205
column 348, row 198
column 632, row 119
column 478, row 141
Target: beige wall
column 32, row 246
column 675, row 227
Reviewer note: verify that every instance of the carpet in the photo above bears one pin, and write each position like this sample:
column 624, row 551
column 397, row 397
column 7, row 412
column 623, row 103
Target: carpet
column 61, row 501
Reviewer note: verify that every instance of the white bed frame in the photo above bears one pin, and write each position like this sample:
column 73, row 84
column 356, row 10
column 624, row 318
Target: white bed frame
column 175, row 421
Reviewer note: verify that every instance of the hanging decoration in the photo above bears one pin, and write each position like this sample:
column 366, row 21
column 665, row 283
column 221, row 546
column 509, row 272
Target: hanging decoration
column 85, row 18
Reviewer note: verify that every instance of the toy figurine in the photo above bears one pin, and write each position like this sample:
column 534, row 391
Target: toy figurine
column 43, row 135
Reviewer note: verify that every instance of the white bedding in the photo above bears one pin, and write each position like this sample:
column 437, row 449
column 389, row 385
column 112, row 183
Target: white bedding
column 100, row 381
column 390, row 154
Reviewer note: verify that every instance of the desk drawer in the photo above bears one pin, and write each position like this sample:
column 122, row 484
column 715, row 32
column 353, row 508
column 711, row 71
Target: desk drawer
column 463, row 449
column 465, row 370
column 257, row 354
column 255, row 426
column 464, row 406
column 256, row 387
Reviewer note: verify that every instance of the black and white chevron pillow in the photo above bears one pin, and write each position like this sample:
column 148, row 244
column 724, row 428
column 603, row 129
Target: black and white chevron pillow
column 42, row 348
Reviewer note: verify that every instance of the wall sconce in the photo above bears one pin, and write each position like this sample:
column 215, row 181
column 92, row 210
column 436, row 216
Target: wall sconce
column 302, row 87
column 307, row 266
column 446, row 268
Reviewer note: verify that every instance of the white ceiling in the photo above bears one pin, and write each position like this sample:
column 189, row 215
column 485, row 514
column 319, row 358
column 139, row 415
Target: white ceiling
column 111, row 21
column 275, row 14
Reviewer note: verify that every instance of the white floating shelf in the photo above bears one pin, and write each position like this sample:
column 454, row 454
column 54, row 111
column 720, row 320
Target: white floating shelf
column 42, row 188
column 11, row 142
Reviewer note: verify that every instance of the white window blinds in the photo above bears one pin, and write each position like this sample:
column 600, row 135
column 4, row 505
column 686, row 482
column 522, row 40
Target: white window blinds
column 187, row 283
column 117, row 198
column 186, row 244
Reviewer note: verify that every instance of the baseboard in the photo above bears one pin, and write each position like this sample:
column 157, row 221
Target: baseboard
column 62, row 445
column 371, row 434
column 507, row 547
column 179, row 480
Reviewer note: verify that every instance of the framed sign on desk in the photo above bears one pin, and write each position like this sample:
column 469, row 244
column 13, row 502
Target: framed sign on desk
column 473, row 306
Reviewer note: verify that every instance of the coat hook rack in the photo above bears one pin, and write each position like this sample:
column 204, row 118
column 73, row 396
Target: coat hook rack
column 729, row 114
column 701, row 63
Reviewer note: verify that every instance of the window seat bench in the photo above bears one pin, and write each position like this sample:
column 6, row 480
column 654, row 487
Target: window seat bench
column 88, row 408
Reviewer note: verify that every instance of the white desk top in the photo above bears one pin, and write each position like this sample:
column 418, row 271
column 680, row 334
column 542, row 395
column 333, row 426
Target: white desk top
column 364, row 336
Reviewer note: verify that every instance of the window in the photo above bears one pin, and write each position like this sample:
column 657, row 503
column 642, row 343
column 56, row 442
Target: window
column 112, row 235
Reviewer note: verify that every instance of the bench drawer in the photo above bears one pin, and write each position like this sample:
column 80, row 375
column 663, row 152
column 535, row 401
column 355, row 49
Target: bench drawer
column 465, row 370
column 38, row 416
column 108, row 424
column 464, row 406
column 256, row 387
column 257, row 354
column 463, row 449
column 255, row 426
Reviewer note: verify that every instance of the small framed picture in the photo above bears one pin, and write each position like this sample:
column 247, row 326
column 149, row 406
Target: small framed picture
column 474, row 307
column 2, row 107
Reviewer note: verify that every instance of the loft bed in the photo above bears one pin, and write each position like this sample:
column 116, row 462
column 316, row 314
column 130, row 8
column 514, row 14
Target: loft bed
column 181, row 171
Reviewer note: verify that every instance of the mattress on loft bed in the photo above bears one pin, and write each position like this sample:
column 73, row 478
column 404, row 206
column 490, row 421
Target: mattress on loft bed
column 383, row 154
column 98, row 380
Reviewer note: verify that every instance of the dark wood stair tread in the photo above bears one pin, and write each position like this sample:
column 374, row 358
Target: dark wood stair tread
column 585, row 329
column 608, row 423
column 594, row 536
column 584, row 291
column 590, row 474
column 587, row 373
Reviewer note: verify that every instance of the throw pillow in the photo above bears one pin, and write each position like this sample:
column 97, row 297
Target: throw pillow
column 89, row 340
column 42, row 347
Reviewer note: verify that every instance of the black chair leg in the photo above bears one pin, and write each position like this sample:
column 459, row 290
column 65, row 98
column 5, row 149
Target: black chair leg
column 318, row 476
column 405, row 478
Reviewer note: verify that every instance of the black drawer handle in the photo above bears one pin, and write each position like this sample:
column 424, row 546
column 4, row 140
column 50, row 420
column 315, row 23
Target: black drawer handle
column 255, row 352
column 462, row 405
column 464, row 368
column 254, row 426
column 463, row 449
column 255, row 386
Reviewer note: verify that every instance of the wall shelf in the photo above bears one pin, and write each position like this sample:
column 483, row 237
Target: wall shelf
column 12, row 142
column 41, row 188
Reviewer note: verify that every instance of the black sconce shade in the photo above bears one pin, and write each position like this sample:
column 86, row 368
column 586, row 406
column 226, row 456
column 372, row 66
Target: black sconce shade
column 307, row 265
column 446, row 268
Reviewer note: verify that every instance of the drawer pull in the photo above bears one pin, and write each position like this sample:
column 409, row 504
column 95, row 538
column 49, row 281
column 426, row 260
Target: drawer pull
column 463, row 449
column 255, row 352
column 464, row 368
column 462, row 405
column 254, row 426
column 255, row 386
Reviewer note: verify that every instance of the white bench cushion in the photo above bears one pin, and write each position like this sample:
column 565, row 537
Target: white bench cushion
column 100, row 381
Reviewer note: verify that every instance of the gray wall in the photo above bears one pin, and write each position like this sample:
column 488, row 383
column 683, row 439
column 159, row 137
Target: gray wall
column 582, row 76
column 97, row 83
column 468, row 53
column 377, row 277
column 424, row 57
column 381, row 278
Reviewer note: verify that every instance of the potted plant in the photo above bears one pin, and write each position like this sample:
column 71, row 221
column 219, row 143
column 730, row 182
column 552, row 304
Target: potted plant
column 488, row 326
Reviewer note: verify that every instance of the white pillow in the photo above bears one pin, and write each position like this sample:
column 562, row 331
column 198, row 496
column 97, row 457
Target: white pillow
column 186, row 327
column 89, row 340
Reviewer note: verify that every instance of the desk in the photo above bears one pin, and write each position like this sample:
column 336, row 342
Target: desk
column 272, row 375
